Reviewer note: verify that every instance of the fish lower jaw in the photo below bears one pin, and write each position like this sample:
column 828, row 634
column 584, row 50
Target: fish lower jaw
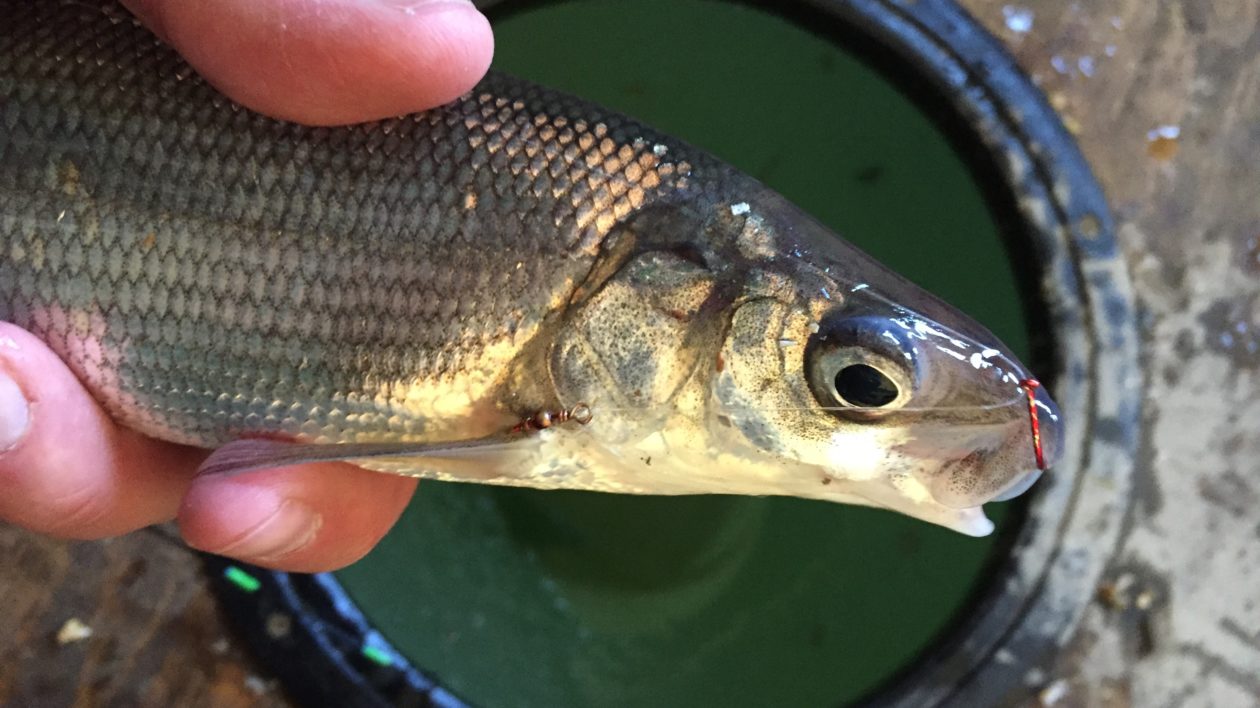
column 905, row 495
column 575, row 459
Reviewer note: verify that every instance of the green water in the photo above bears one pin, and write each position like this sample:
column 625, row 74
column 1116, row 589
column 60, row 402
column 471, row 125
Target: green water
column 521, row 598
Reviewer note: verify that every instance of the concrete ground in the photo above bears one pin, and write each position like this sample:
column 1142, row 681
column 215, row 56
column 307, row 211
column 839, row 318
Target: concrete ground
column 1165, row 101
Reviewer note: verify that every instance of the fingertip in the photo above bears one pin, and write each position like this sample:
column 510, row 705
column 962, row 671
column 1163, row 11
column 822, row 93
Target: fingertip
column 332, row 62
column 148, row 12
column 309, row 518
column 66, row 469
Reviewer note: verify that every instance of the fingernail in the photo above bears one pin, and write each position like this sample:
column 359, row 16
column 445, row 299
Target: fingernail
column 15, row 413
column 291, row 527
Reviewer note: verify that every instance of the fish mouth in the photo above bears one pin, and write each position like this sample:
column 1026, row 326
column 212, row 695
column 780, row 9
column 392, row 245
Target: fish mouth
column 1036, row 447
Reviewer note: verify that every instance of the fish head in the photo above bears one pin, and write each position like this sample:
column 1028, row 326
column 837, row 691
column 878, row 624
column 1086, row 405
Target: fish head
column 855, row 385
column 769, row 357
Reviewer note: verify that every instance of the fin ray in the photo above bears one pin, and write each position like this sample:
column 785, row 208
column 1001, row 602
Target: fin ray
column 252, row 454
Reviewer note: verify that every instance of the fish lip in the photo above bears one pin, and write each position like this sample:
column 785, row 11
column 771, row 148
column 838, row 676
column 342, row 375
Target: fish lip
column 1017, row 477
column 1021, row 484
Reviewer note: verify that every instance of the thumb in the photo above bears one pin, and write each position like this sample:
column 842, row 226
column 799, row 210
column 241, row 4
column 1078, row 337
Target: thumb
column 328, row 62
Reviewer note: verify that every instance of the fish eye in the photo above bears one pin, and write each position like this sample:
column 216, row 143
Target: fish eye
column 865, row 386
column 861, row 367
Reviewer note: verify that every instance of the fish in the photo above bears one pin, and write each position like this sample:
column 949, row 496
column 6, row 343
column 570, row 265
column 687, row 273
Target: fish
column 518, row 288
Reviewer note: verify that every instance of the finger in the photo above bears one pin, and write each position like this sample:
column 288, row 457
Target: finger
column 329, row 62
column 65, row 468
column 309, row 518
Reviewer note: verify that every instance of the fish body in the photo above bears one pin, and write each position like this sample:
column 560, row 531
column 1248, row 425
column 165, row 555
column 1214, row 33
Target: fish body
column 212, row 274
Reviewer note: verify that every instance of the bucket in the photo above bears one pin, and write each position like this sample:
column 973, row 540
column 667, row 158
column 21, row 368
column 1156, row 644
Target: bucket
column 907, row 129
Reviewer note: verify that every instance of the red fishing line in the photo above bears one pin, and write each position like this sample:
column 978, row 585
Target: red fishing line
column 1030, row 387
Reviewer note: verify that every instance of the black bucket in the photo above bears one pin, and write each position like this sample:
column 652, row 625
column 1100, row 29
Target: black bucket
column 908, row 128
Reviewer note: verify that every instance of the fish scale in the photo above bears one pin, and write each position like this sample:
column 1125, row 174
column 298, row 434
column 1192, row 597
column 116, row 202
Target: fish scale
column 300, row 264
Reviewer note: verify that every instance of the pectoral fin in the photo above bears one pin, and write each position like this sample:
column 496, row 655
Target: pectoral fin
column 256, row 454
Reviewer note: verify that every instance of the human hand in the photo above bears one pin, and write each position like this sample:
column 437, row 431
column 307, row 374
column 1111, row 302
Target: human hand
column 65, row 468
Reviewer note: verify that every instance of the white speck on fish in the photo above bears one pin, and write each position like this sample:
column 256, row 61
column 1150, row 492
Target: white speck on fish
column 859, row 286
column 740, row 209
column 1086, row 65
column 785, row 342
column 659, row 150
column 61, row 216
column 825, row 293
column 1168, row 132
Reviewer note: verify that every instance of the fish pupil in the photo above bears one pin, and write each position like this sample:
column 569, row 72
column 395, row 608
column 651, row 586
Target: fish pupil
column 865, row 386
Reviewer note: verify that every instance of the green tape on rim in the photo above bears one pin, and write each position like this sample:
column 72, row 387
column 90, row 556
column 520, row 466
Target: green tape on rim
column 241, row 579
column 377, row 656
